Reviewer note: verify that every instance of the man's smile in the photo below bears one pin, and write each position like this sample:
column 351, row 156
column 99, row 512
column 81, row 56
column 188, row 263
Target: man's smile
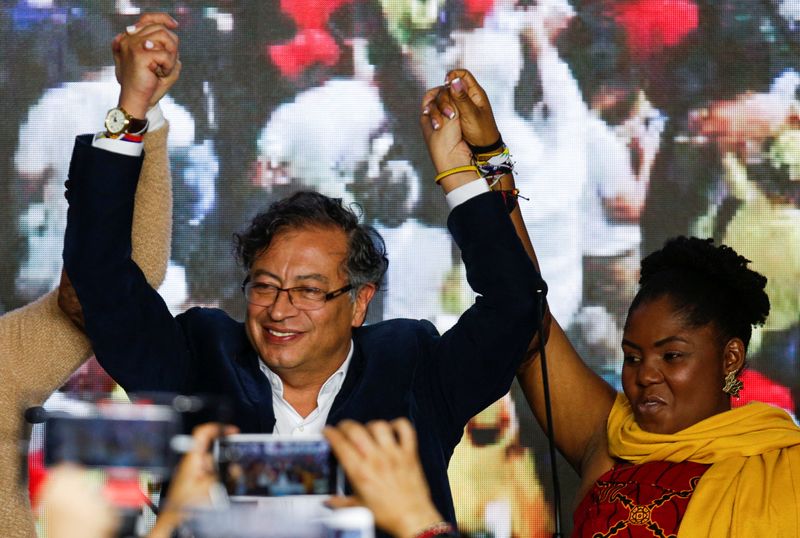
column 276, row 336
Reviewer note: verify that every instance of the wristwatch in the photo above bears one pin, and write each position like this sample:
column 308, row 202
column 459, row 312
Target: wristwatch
column 119, row 122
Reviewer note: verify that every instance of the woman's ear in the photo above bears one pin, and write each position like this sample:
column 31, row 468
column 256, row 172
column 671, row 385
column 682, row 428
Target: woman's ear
column 734, row 356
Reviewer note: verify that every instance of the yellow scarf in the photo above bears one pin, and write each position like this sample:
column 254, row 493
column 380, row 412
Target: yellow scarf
column 752, row 488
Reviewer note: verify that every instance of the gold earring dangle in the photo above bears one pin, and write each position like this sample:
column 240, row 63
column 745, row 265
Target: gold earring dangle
column 733, row 385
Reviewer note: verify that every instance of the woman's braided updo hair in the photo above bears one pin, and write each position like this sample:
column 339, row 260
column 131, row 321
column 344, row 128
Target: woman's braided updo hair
column 706, row 283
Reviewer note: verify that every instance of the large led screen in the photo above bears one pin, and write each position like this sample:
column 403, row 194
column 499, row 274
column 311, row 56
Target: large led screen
column 629, row 122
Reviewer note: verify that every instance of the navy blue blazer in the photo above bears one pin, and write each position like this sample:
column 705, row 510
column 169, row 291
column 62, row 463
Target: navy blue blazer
column 399, row 367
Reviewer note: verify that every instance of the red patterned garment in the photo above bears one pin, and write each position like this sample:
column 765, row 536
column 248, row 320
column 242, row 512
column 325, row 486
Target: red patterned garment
column 638, row 500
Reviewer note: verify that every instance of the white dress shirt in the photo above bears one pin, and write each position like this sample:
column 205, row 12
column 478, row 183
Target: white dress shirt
column 287, row 420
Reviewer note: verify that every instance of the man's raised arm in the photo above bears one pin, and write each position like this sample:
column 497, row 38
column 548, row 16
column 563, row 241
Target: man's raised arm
column 581, row 400
column 477, row 359
column 124, row 315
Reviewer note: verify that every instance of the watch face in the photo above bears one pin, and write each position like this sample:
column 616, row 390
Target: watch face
column 115, row 121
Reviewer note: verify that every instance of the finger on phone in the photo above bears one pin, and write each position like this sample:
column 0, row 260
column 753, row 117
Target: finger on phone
column 383, row 434
column 406, row 435
column 343, row 449
column 359, row 436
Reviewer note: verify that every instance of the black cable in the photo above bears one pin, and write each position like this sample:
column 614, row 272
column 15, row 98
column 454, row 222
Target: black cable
column 551, row 443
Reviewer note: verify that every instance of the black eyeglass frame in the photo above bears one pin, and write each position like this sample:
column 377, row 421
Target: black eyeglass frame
column 327, row 297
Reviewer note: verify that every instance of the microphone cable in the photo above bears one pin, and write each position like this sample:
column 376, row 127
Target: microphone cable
column 551, row 443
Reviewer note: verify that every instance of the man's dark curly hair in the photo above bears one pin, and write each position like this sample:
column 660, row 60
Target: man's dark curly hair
column 707, row 283
column 366, row 261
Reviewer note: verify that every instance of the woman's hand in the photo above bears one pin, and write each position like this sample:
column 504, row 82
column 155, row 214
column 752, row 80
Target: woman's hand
column 68, row 302
column 478, row 127
column 461, row 100
column 381, row 462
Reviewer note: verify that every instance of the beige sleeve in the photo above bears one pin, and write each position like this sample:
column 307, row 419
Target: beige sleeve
column 40, row 347
column 152, row 214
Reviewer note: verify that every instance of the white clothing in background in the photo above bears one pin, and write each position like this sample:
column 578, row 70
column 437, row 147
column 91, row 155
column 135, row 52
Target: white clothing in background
column 419, row 260
column 324, row 135
column 45, row 146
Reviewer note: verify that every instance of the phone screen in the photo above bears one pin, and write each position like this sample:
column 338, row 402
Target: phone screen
column 110, row 442
column 276, row 466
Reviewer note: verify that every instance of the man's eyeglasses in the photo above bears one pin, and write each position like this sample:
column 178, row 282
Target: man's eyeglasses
column 302, row 297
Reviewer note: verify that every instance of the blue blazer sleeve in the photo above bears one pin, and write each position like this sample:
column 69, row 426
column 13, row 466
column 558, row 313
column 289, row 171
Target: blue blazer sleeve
column 474, row 363
column 134, row 336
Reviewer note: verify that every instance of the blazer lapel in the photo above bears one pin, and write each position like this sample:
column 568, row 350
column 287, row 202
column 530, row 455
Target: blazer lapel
column 354, row 373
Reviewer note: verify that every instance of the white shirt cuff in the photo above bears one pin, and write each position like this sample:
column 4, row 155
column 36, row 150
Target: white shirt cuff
column 461, row 194
column 117, row 145
column 155, row 117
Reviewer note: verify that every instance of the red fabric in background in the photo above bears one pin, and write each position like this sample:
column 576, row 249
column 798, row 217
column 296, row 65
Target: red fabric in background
column 477, row 9
column 37, row 474
column 652, row 25
column 307, row 48
column 311, row 13
column 313, row 43
column 759, row 388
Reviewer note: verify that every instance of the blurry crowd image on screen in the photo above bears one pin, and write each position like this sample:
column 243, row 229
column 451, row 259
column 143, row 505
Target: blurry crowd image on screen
column 629, row 121
column 260, row 470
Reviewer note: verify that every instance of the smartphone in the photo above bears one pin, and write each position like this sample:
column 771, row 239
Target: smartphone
column 268, row 465
column 118, row 435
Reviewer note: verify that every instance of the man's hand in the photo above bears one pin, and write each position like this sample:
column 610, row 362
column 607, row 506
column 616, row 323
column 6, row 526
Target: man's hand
column 381, row 462
column 147, row 62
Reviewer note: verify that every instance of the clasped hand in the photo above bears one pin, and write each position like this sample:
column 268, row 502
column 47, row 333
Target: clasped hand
column 146, row 61
column 454, row 116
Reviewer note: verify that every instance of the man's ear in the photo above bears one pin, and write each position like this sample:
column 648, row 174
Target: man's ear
column 363, row 297
column 734, row 356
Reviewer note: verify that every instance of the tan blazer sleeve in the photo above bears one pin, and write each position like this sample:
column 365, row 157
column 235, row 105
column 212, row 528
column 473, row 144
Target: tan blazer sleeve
column 40, row 347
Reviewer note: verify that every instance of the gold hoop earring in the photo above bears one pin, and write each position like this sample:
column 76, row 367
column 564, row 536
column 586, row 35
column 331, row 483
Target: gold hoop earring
column 733, row 385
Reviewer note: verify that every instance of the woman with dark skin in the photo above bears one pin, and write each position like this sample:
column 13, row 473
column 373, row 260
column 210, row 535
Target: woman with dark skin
column 668, row 455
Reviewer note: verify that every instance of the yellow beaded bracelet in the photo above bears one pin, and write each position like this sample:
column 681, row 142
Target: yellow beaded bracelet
column 456, row 170
column 489, row 154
